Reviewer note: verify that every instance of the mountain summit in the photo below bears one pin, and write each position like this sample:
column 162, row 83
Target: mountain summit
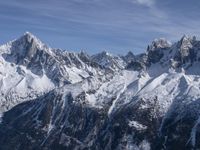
column 56, row 99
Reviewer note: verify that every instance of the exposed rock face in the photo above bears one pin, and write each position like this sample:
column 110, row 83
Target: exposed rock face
column 156, row 50
column 109, row 61
column 134, row 65
column 186, row 50
column 53, row 99
column 159, row 44
column 56, row 121
column 129, row 57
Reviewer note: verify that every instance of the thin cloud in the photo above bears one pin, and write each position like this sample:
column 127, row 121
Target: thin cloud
column 148, row 3
column 153, row 10
column 108, row 24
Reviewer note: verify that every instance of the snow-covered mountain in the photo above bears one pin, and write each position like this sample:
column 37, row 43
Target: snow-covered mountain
column 55, row 99
column 29, row 68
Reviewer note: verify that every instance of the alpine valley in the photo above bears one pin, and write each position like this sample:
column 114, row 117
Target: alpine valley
column 52, row 99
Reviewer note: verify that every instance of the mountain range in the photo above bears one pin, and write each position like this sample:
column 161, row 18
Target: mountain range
column 53, row 99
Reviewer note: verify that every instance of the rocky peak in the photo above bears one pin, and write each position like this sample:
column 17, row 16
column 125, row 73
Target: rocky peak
column 155, row 51
column 29, row 39
column 26, row 47
column 84, row 55
column 108, row 60
column 129, row 57
column 105, row 53
column 130, row 54
column 185, row 49
column 30, row 52
column 185, row 43
column 161, row 43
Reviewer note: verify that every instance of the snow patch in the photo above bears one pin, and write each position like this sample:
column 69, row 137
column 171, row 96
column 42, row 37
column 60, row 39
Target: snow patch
column 137, row 125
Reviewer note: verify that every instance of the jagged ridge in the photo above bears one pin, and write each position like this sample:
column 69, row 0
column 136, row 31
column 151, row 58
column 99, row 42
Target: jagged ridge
column 146, row 101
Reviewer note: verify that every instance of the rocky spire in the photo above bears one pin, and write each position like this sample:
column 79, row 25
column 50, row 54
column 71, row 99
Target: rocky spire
column 159, row 44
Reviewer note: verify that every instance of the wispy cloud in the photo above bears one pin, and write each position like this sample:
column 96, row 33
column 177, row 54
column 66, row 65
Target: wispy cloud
column 100, row 24
column 152, row 7
column 148, row 3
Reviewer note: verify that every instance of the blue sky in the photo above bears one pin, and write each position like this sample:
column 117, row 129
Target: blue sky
column 117, row 26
